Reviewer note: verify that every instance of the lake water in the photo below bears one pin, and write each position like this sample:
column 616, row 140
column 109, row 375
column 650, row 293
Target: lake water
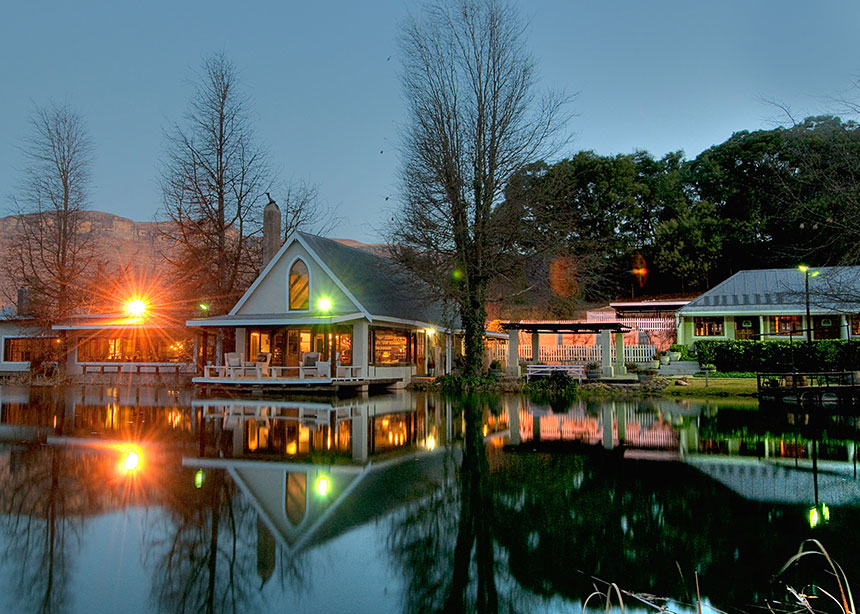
column 145, row 500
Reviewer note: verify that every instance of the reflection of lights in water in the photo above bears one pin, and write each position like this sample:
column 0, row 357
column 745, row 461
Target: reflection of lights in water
column 818, row 515
column 322, row 486
column 390, row 437
column 431, row 442
column 131, row 461
column 486, row 430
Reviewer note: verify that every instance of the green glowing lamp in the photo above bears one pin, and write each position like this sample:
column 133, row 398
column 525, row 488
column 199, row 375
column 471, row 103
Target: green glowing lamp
column 803, row 268
column 204, row 307
column 817, row 515
column 198, row 479
column 324, row 304
column 322, row 486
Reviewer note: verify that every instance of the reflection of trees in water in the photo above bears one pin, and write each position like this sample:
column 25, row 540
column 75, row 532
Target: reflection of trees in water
column 199, row 563
column 47, row 492
column 550, row 523
column 647, row 526
column 209, row 552
column 445, row 543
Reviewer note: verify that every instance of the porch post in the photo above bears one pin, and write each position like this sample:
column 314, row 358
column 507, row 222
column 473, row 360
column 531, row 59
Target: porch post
column 448, row 351
column 514, row 421
column 242, row 343
column 535, row 347
column 605, row 353
column 360, row 334
column 513, row 366
column 843, row 327
column 359, row 435
column 620, row 369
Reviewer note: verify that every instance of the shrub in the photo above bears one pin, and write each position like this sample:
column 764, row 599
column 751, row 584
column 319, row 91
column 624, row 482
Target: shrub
column 782, row 355
column 556, row 384
column 684, row 350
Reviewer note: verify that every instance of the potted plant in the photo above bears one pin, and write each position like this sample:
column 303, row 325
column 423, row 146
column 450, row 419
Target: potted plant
column 674, row 356
column 664, row 358
column 655, row 361
column 592, row 370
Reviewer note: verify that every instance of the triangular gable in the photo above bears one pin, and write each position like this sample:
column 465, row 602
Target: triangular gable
column 295, row 237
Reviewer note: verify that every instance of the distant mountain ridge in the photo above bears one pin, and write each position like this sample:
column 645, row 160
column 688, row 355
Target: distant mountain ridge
column 125, row 243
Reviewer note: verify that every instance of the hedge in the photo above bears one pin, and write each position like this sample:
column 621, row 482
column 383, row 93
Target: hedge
column 777, row 356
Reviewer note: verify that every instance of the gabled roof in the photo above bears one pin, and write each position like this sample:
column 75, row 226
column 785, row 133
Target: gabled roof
column 378, row 286
column 764, row 291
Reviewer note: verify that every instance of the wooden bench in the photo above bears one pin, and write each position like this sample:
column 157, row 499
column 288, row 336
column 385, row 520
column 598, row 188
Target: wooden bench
column 576, row 371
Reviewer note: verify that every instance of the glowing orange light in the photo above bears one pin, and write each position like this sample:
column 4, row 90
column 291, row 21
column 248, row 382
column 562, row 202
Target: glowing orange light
column 640, row 269
column 136, row 308
column 131, row 461
column 291, row 447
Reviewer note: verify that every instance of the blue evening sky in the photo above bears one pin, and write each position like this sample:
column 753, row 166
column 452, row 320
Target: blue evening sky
column 656, row 75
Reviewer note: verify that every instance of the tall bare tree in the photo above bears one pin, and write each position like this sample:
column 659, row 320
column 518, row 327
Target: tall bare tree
column 302, row 209
column 474, row 121
column 213, row 182
column 51, row 249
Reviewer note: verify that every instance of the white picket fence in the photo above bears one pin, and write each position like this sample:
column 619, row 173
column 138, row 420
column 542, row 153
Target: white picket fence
column 561, row 354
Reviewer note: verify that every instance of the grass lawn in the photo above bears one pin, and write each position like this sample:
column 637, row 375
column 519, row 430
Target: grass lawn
column 717, row 387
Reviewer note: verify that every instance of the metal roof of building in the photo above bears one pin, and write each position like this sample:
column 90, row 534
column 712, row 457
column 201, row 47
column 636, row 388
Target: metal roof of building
column 781, row 291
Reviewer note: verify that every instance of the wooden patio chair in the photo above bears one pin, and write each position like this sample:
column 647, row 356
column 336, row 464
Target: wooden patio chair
column 309, row 363
column 232, row 363
column 262, row 362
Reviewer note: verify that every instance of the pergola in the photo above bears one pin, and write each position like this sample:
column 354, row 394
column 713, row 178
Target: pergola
column 604, row 329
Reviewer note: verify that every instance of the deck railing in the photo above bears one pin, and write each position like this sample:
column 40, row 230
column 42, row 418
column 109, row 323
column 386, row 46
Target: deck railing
column 563, row 354
column 639, row 323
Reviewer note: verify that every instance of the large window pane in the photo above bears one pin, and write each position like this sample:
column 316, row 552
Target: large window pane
column 389, row 347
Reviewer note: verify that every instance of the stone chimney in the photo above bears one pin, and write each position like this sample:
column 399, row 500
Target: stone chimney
column 23, row 302
column 271, row 230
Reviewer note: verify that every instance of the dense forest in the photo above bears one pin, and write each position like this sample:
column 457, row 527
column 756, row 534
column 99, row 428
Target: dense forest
column 632, row 225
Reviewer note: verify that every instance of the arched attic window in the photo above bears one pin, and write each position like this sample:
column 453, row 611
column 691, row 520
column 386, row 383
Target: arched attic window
column 299, row 286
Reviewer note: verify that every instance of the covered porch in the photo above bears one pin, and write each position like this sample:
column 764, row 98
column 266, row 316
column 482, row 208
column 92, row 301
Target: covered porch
column 323, row 351
column 611, row 342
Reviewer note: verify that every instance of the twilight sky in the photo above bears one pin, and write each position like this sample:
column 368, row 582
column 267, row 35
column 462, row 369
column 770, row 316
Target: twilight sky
column 656, row 75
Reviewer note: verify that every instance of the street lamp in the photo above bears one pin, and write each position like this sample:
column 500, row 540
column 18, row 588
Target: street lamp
column 807, row 272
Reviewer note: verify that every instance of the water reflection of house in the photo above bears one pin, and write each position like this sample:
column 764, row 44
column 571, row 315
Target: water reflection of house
column 350, row 429
column 361, row 316
column 577, row 422
column 782, row 483
column 303, row 505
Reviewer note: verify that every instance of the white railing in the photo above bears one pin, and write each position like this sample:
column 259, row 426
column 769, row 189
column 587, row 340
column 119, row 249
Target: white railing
column 561, row 354
column 638, row 323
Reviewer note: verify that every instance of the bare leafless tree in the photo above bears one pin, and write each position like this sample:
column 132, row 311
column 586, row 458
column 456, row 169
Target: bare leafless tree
column 474, row 120
column 51, row 249
column 213, row 181
column 302, row 208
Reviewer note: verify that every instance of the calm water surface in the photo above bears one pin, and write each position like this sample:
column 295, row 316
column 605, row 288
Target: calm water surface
column 145, row 500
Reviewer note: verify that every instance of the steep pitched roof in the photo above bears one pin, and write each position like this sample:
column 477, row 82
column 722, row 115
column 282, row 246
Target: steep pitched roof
column 382, row 288
column 763, row 291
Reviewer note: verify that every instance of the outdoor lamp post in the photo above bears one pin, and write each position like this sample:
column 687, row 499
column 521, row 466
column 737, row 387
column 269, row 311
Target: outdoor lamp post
column 807, row 274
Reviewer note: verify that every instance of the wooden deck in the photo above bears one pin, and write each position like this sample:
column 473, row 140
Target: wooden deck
column 834, row 389
column 257, row 381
